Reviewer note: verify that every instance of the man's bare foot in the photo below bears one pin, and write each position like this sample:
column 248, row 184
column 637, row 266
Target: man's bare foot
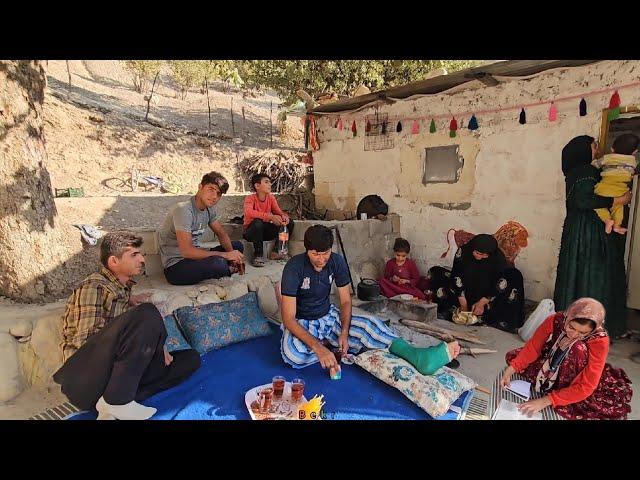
column 620, row 230
column 608, row 226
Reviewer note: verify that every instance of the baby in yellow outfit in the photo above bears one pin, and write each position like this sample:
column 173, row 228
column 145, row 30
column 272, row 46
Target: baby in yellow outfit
column 618, row 169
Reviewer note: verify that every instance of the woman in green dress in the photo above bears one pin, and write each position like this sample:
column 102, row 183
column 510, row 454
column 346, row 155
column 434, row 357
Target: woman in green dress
column 591, row 263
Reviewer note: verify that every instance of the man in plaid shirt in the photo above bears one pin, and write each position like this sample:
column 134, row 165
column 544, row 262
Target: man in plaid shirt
column 113, row 342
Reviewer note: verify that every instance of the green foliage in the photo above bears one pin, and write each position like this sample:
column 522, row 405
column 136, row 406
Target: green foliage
column 190, row 73
column 187, row 74
column 340, row 76
column 286, row 77
column 142, row 72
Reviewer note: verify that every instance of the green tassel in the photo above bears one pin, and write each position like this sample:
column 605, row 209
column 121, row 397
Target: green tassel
column 613, row 113
column 452, row 133
column 432, row 126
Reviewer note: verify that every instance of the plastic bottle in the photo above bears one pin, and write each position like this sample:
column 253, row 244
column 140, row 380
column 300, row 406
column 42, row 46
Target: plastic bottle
column 283, row 240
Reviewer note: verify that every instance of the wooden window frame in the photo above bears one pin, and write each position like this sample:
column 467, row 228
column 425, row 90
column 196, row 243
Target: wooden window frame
column 604, row 126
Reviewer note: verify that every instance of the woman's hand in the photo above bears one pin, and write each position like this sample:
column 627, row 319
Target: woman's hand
column 395, row 279
column 506, row 377
column 478, row 307
column 464, row 307
column 624, row 199
column 534, row 406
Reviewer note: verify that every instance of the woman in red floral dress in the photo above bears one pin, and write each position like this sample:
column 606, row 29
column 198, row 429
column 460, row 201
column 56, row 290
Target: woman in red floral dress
column 565, row 360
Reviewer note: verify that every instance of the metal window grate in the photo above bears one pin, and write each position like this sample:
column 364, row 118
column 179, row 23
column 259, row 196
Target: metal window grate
column 56, row 413
column 378, row 137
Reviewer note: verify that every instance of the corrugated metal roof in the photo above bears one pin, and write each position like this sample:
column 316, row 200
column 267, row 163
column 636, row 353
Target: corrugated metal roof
column 508, row 68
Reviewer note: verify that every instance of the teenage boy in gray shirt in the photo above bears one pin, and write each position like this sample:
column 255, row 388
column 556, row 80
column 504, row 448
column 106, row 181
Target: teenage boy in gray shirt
column 185, row 262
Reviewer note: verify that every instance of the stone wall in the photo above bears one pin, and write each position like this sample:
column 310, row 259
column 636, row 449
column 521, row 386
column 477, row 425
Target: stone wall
column 511, row 171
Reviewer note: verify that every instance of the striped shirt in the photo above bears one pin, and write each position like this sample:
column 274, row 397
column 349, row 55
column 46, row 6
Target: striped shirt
column 99, row 298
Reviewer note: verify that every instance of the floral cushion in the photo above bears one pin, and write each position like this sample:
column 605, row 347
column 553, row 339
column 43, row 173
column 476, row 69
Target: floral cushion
column 433, row 393
column 175, row 340
column 216, row 325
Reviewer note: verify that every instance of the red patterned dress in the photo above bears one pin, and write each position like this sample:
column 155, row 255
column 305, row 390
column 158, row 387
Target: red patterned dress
column 408, row 271
column 586, row 388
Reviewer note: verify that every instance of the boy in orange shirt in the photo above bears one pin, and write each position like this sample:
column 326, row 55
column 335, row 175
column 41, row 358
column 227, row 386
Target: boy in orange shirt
column 263, row 218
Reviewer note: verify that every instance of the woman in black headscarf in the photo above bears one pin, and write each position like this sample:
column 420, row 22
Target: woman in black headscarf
column 481, row 282
column 591, row 263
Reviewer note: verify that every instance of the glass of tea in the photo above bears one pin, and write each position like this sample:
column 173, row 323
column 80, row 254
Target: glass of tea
column 265, row 398
column 278, row 386
column 297, row 389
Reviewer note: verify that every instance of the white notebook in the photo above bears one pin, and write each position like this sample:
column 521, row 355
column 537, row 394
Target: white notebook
column 520, row 389
column 509, row 411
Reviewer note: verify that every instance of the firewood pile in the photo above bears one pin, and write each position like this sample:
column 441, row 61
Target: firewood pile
column 286, row 170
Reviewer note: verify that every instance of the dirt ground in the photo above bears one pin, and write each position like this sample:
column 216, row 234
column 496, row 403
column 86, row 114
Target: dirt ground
column 95, row 130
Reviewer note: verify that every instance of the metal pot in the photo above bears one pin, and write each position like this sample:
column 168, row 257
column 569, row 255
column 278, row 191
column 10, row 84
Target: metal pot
column 368, row 289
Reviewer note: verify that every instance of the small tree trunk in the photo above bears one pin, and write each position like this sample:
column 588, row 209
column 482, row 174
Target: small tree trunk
column 233, row 126
column 206, row 86
column 271, row 124
column 146, row 115
column 69, row 74
column 244, row 122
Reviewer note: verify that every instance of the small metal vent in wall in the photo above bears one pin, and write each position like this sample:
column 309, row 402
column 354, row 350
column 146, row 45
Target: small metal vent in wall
column 442, row 164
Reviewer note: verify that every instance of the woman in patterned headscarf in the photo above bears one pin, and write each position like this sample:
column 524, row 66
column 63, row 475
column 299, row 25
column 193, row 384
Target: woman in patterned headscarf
column 565, row 362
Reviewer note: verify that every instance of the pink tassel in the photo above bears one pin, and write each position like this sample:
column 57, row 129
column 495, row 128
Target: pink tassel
column 553, row 112
column 340, row 126
column 415, row 128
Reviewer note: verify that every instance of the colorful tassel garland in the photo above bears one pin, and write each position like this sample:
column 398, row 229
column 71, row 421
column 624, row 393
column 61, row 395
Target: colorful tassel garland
column 614, row 106
column 399, row 127
column 523, row 117
column 553, row 112
column 473, row 123
column 354, row 130
column 583, row 108
column 415, row 128
column 432, row 126
column 453, row 126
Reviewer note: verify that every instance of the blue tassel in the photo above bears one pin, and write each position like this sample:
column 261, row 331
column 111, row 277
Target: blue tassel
column 473, row 123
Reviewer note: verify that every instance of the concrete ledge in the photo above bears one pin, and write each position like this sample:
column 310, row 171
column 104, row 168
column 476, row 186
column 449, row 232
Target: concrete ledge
column 417, row 311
